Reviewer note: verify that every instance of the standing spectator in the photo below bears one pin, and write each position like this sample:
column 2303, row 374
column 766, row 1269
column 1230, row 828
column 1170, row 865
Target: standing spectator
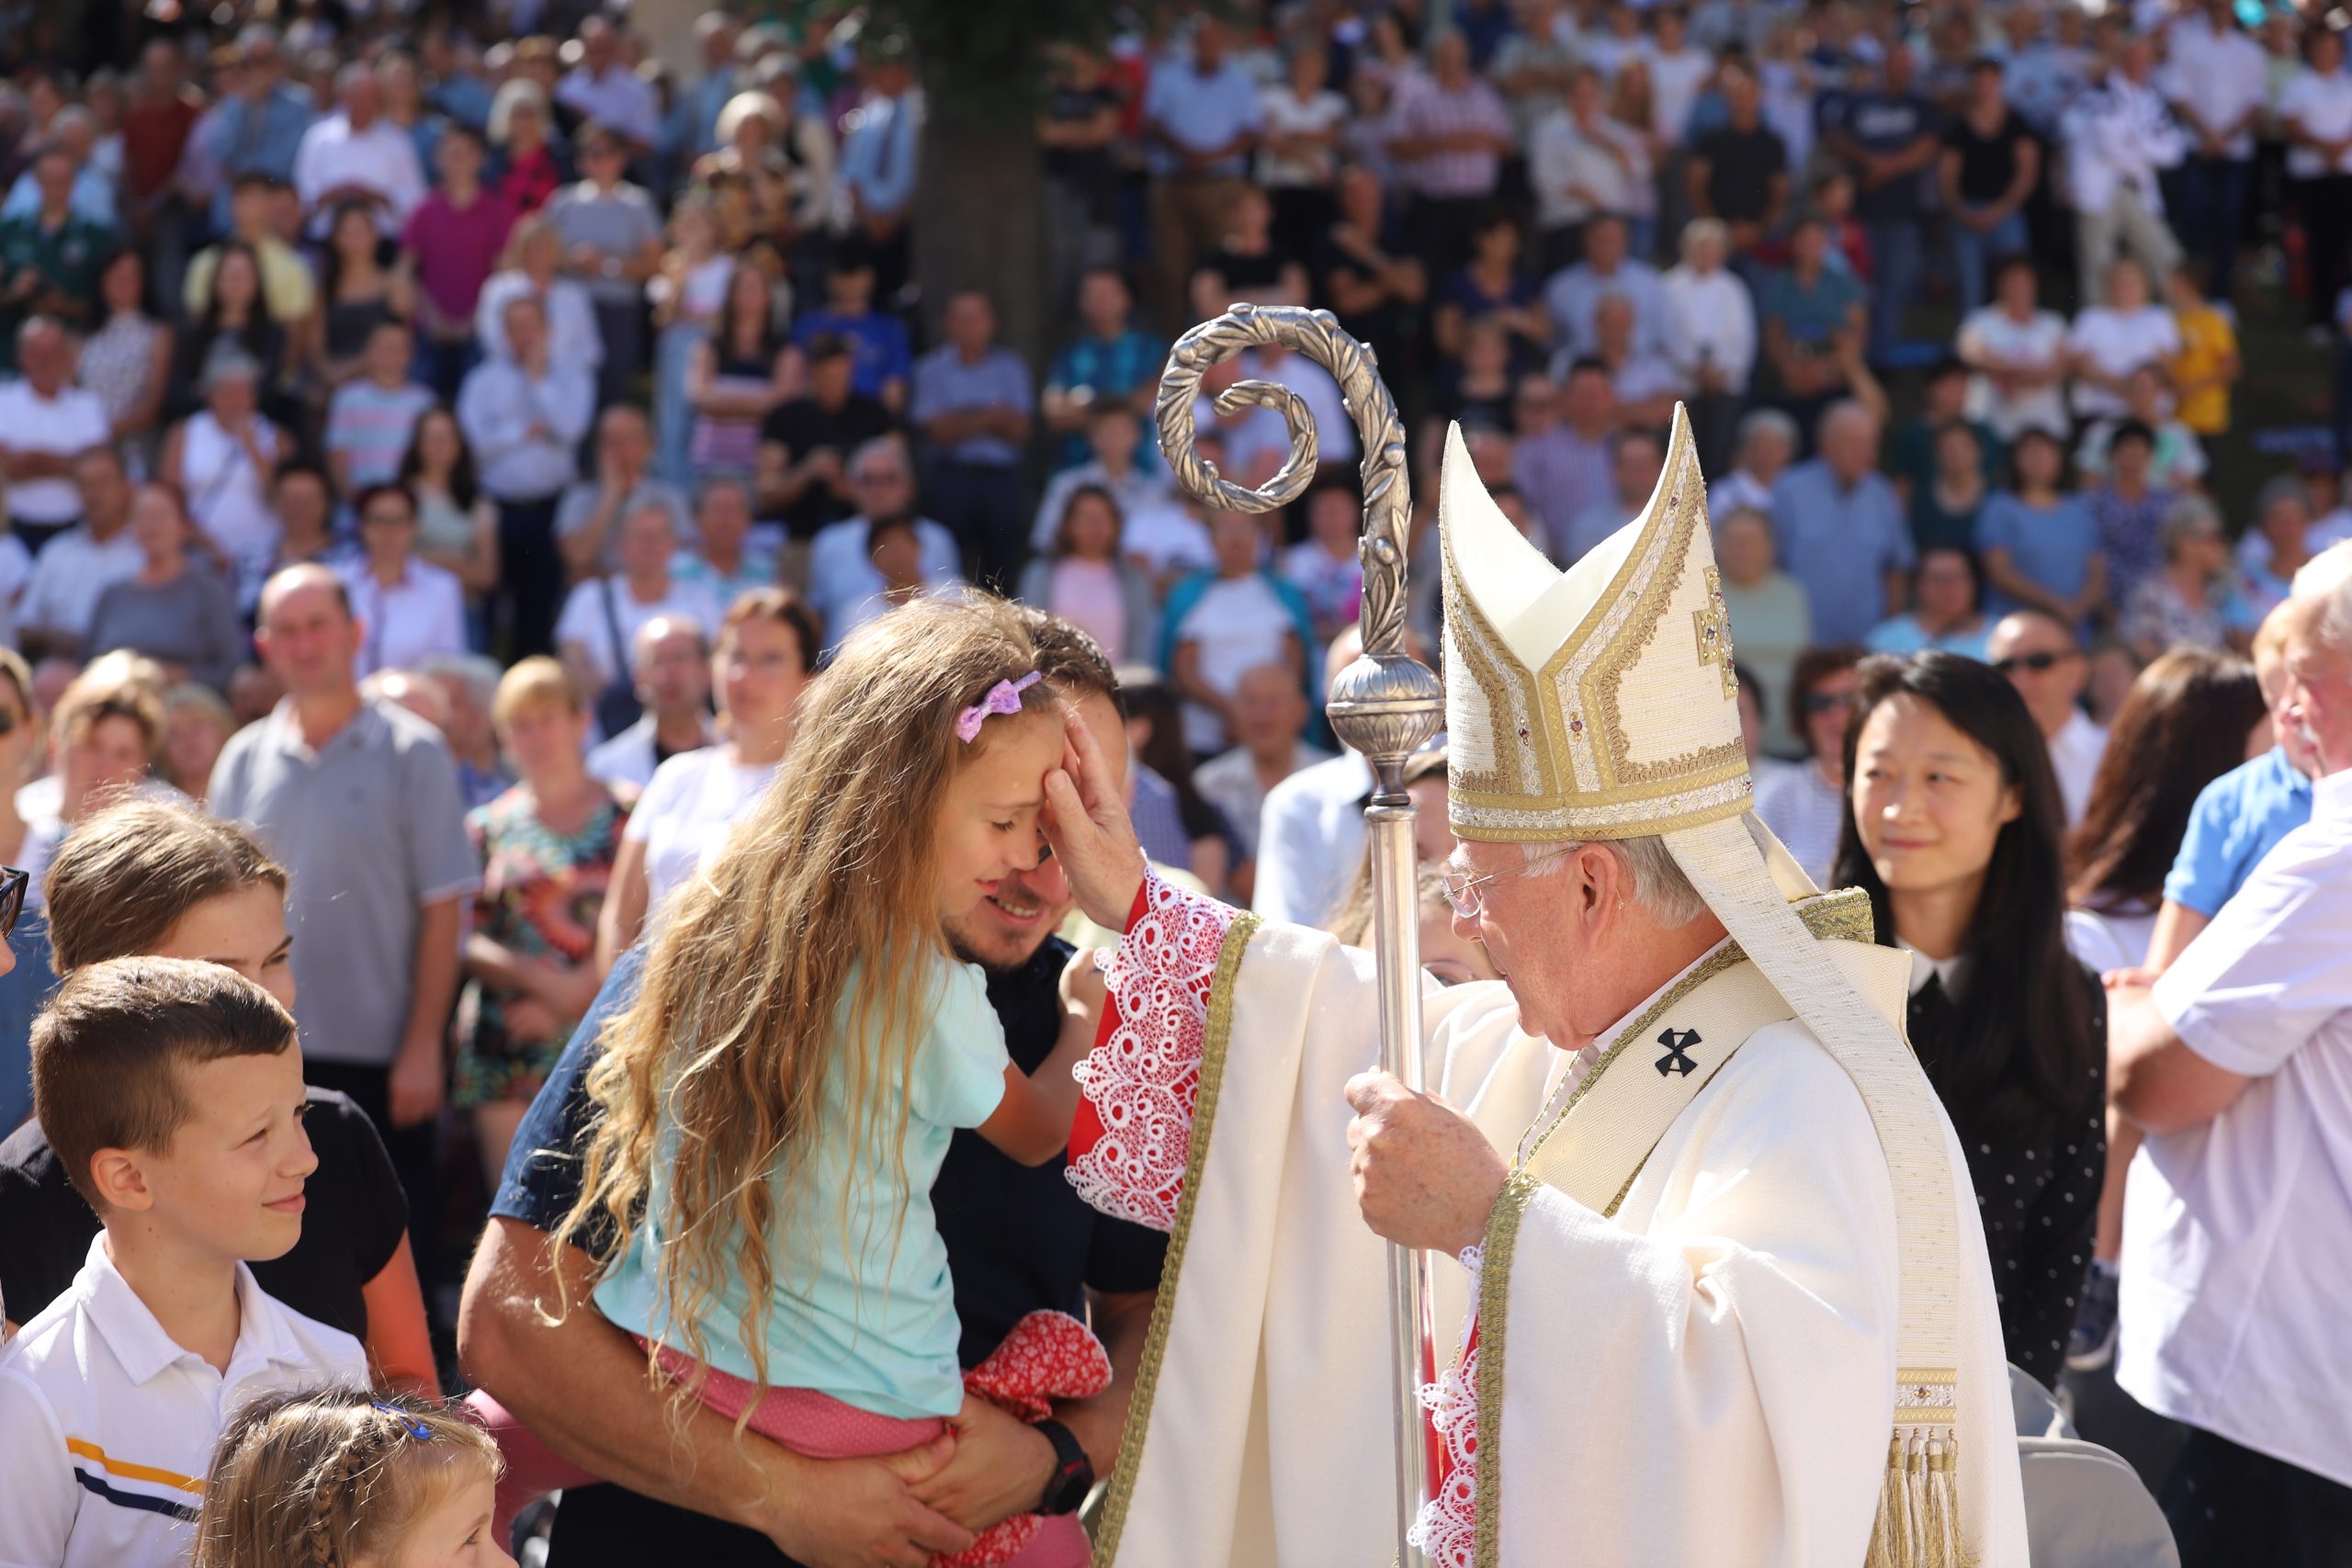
column 2042, row 660
column 2110, row 341
column 182, row 618
column 612, row 243
column 1739, row 171
column 670, row 662
column 371, row 420
column 2274, row 549
column 1201, row 121
column 160, row 111
column 1630, row 106
column 881, row 358
column 127, row 361
column 842, row 576
column 1945, row 507
column 1768, row 443
column 2179, row 462
column 766, row 653
column 408, row 608
column 1449, row 135
column 196, row 726
column 1812, row 325
column 224, row 458
column 360, row 801
column 75, row 567
column 265, row 119
column 457, row 526
column 1771, row 623
column 1270, row 727
column 1175, row 827
column 1945, row 611
column 1364, row 269
column 303, row 500
column 1326, row 566
column 587, row 520
column 525, row 171
column 238, row 317
column 1805, row 806
column 2019, row 354
column 50, row 256
column 546, row 848
column 724, row 560
column 1082, row 574
column 605, row 89
column 2316, row 112
column 1301, row 119
column 2207, row 366
column 1711, row 323
column 1887, row 136
column 1563, row 457
column 2129, row 508
column 1841, row 529
column 469, row 686
column 1679, row 72
column 2218, row 81
column 45, row 425
column 1110, row 362
column 2227, row 1065
column 2193, row 601
column 1582, row 163
column 881, row 148
column 1115, row 466
column 972, row 406
column 601, row 615
column 1574, row 296
column 357, row 289
column 1990, row 164
column 1220, row 623
column 523, row 414
column 359, row 155
column 288, row 289
column 1492, row 286
column 1080, row 132
column 454, row 240
column 1533, row 66
column 2119, row 135
column 687, row 295
column 735, row 375
column 1247, row 264
column 1911, row 459
column 2041, row 545
column 804, row 442
column 1635, row 463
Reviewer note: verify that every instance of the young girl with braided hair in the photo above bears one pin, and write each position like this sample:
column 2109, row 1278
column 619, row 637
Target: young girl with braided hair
column 348, row 1479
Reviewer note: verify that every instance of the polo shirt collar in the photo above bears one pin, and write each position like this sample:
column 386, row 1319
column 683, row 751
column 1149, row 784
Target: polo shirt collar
column 286, row 730
column 140, row 1345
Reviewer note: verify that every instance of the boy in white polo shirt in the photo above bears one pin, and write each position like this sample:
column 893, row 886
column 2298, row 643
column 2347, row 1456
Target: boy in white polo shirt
column 173, row 1092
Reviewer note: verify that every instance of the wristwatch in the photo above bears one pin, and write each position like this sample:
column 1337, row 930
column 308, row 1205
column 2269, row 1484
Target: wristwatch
column 1073, row 1475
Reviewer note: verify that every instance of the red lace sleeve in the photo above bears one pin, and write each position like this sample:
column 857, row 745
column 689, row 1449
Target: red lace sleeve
column 1133, row 1135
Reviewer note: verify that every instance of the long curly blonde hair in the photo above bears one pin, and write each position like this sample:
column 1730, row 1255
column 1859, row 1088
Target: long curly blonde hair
column 746, row 1005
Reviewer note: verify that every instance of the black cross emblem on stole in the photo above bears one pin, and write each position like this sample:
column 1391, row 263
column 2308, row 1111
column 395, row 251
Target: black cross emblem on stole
column 1676, row 1059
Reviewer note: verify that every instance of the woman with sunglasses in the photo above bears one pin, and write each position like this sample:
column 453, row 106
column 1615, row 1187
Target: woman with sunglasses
column 159, row 879
column 1804, row 805
column 1954, row 831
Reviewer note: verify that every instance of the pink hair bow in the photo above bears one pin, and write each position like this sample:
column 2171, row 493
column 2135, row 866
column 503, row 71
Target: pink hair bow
column 1004, row 697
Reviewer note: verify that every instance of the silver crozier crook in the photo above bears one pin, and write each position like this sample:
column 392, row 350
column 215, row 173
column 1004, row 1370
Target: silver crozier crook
column 1385, row 705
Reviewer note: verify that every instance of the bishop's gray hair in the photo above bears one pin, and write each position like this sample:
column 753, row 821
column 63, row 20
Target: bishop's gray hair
column 1660, row 887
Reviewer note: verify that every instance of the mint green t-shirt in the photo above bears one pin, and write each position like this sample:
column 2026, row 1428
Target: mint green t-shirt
column 861, row 1310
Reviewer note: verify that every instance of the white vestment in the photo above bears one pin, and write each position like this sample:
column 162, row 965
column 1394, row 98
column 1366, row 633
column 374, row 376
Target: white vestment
column 1705, row 1376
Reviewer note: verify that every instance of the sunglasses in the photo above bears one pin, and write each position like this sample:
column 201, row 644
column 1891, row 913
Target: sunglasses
column 13, row 884
column 1824, row 702
column 2039, row 663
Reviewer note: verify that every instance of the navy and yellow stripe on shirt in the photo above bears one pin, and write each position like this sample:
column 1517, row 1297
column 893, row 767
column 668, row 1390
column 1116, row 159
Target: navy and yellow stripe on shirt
column 126, row 1486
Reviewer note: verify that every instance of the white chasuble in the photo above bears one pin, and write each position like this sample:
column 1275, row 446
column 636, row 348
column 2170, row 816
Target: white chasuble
column 1703, row 1374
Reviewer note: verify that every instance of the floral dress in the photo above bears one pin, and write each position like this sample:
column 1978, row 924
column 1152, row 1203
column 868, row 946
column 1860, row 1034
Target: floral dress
column 540, row 893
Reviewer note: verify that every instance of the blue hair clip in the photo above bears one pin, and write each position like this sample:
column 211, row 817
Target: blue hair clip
column 410, row 1423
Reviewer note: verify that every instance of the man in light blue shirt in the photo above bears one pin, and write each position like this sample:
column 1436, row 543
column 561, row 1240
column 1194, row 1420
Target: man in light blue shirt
column 1200, row 118
column 1841, row 529
column 880, row 146
column 1575, row 293
column 972, row 404
column 262, row 123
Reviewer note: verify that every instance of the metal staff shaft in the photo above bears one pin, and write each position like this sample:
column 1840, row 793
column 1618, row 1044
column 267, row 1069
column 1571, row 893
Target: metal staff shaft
column 1385, row 705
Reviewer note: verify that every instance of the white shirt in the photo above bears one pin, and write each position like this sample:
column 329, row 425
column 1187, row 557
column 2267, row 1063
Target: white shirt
column 574, row 337
column 73, row 421
column 497, row 407
column 1676, row 80
column 605, row 636
column 1238, row 623
column 73, row 569
column 2116, row 343
column 1563, row 159
column 2322, row 107
column 423, row 614
column 620, row 98
column 841, row 575
column 2118, row 134
column 2040, row 341
column 1167, row 537
column 1283, row 113
column 1229, row 782
column 685, row 814
column 1310, row 838
column 2102, row 940
column 381, row 158
column 108, row 1425
column 1710, row 321
column 2237, row 1234
column 2074, row 752
column 1805, row 813
column 627, row 758
column 2219, row 78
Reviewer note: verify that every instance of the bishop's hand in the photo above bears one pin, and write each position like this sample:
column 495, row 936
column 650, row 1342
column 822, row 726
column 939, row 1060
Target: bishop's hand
column 1425, row 1176
column 1087, row 824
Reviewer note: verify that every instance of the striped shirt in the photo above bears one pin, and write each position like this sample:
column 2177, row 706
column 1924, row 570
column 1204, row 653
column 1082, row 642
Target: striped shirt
column 108, row 1426
column 1430, row 110
column 368, row 426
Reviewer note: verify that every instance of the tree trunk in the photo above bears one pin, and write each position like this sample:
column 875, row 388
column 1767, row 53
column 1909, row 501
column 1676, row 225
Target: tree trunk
column 980, row 223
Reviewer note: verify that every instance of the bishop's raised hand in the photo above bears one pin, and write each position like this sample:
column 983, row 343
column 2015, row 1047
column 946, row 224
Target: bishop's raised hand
column 1087, row 824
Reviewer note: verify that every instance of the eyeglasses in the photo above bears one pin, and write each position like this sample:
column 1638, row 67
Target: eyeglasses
column 13, row 884
column 2039, row 663
column 1464, row 892
column 1824, row 702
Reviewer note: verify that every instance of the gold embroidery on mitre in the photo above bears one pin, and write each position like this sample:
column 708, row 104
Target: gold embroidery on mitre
column 1613, row 731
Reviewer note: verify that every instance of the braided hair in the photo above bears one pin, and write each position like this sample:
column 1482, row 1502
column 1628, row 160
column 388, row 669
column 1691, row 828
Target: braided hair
column 324, row 1478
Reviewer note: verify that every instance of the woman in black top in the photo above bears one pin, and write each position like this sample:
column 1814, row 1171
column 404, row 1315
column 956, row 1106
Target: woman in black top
column 151, row 878
column 1989, row 166
column 1955, row 827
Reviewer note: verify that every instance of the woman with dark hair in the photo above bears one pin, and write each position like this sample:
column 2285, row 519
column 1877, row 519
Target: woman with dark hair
column 457, row 526
column 1085, row 577
column 239, row 312
column 1804, row 805
column 357, row 289
column 735, row 375
column 2040, row 545
column 1954, row 831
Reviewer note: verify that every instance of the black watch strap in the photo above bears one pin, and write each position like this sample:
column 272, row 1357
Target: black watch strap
column 1073, row 1475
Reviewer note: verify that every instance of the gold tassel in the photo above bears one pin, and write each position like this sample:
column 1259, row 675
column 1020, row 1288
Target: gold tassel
column 1919, row 1505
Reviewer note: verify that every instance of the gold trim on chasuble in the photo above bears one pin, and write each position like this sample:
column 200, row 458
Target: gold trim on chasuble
column 1560, row 765
column 1111, row 1517
column 1842, row 916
